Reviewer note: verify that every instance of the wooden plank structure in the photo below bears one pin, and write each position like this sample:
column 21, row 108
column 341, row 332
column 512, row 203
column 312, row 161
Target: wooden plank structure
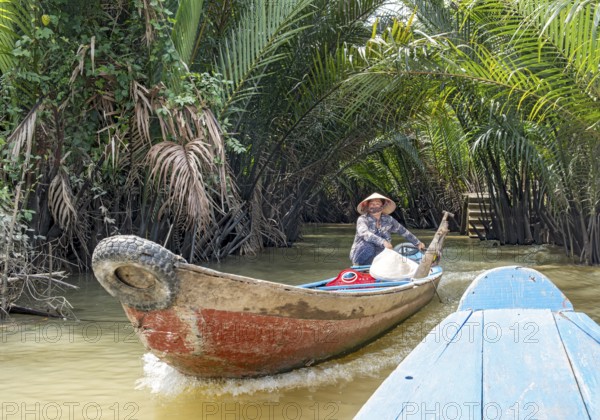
column 514, row 349
column 476, row 215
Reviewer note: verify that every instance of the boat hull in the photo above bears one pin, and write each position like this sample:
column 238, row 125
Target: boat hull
column 241, row 327
column 207, row 323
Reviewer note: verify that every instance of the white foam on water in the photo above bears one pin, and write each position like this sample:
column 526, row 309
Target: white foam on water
column 160, row 378
column 163, row 380
column 464, row 277
column 453, row 285
column 370, row 361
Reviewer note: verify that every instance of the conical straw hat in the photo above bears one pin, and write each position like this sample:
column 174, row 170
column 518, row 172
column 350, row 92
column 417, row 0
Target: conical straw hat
column 388, row 205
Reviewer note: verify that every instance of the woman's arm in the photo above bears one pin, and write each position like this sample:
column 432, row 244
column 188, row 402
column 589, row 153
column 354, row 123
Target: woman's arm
column 398, row 228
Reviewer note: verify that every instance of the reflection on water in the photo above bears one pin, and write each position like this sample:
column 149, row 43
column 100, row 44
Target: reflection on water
column 97, row 369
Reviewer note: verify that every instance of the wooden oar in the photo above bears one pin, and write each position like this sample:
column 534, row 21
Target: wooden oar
column 434, row 249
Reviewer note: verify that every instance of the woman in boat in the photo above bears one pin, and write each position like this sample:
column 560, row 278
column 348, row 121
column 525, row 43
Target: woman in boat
column 374, row 229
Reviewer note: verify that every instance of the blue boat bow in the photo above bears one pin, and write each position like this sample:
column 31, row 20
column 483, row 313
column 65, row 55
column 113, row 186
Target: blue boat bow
column 515, row 349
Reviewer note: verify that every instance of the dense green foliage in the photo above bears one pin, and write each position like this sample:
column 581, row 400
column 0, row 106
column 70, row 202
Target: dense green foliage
column 206, row 128
column 218, row 127
column 531, row 120
column 515, row 85
column 89, row 90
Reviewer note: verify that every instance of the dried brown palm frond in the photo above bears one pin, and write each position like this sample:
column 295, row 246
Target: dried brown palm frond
column 24, row 133
column 140, row 139
column 61, row 201
column 63, row 207
column 142, row 98
column 191, row 171
column 150, row 16
column 79, row 68
column 189, row 123
column 184, row 172
column 138, row 147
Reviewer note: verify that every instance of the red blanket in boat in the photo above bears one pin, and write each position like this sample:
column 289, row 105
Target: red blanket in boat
column 350, row 276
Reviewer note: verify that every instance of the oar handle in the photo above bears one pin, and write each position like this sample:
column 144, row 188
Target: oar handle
column 447, row 214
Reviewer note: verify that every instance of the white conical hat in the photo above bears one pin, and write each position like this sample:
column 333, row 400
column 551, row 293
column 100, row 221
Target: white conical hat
column 388, row 205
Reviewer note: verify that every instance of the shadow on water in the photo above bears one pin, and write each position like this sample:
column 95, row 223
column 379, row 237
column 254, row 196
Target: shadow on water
column 96, row 368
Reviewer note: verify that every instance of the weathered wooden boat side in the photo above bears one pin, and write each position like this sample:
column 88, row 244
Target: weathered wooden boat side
column 246, row 327
column 212, row 324
column 519, row 361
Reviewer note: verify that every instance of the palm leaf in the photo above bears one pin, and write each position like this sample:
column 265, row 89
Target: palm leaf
column 24, row 133
column 14, row 18
column 61, row 202
column 185, row 29
column 254, row 43
column 181, row 171
column 541, row 73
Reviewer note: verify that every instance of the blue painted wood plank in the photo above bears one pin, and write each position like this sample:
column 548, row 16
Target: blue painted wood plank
column 584, row 354
column 434, row 381
column 315, row 283
column 380, row 284
column 513, row 287
column 526, row 371
column 455, row 393
column 585, row 323
column 361, row 290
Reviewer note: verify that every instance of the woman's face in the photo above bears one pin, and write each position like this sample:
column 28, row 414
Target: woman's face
column 375, row 206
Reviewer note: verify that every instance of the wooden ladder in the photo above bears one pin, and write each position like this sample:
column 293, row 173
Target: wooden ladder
column 476, row 214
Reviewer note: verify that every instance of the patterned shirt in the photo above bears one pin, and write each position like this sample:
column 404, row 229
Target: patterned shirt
column 368, row 235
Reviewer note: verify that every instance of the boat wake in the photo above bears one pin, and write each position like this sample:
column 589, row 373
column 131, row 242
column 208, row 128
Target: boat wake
column 383, row 355
column 163, row 380
column 454, row 284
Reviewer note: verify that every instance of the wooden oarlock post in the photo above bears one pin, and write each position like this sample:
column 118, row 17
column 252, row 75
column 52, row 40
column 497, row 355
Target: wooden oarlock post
column 434, row 249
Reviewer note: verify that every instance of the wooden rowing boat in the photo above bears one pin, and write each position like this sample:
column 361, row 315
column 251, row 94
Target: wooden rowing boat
column 212, row 324
column 515, row 348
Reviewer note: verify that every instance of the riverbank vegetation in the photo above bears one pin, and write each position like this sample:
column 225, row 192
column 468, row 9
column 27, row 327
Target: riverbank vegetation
column 218, row 127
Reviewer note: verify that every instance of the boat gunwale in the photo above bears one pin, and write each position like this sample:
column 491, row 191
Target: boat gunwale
column 415, row 283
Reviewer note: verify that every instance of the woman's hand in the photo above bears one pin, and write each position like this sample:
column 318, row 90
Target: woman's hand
column 421, row 246
column 387, row 244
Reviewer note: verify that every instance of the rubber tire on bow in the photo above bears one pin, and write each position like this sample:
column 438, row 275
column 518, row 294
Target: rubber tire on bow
column 153, row 266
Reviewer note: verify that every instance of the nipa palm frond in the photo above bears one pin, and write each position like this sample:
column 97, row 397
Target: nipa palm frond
column 192, row 170
column 531, row 66
column 185, row 30
column 254, row 44
column 572, row 27
column 14, row 19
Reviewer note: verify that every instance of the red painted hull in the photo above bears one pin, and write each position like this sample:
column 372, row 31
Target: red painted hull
column 221, row 325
